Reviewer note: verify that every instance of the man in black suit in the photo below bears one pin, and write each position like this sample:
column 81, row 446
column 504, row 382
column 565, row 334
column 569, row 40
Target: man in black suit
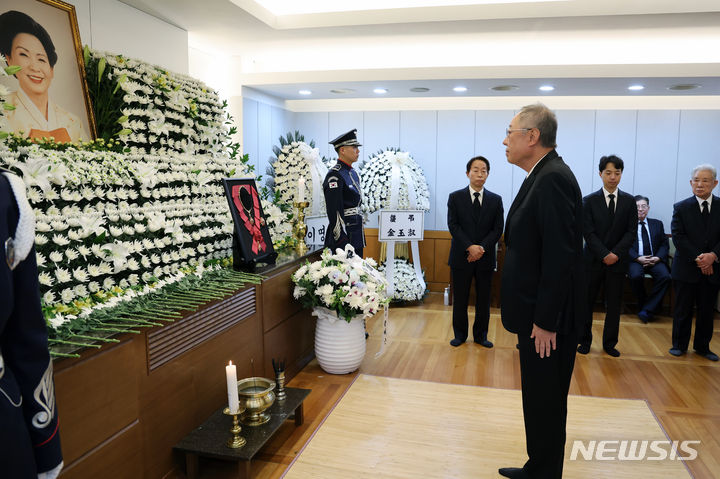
column 543, row 287
column 29, row 438
column 696, row 269
column 609, row 228
column 648, row 255
column 475, row 221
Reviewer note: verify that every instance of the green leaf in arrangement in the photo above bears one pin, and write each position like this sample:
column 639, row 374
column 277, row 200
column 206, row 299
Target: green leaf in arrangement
column 12, row 69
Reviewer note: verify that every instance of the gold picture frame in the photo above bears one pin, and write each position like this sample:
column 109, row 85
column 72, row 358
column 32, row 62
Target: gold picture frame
column 46, row 99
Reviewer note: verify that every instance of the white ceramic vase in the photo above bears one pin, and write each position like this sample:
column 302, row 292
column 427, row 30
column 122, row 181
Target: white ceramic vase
column 339, row 345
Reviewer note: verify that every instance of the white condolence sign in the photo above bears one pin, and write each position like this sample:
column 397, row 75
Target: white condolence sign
column 401, row 225
column 316, row 226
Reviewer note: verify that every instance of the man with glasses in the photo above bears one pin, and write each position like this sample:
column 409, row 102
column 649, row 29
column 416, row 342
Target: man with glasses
column 648, row 255
column 695, row 269
column 543, row 288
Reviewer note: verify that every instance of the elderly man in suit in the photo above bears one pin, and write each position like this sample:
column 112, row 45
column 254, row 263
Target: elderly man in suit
column 696, row 268
column 609, row 228
column 543, row 288
column 29, row 438
column 648, row 255
column 475, row 221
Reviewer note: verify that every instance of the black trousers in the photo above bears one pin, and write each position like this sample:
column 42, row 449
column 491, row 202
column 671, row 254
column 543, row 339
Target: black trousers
column 701, row 295
column 545, row 385
column 462, row 278
column 661, row 282
column 613, row 282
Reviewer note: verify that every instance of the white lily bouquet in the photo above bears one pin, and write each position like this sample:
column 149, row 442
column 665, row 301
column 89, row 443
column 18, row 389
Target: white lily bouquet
column 342, row 282
column 392, row 179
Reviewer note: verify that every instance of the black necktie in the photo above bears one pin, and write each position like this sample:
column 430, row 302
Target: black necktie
column 476, row 204
column 611, row 205
column 647, row 247
column 705, row 212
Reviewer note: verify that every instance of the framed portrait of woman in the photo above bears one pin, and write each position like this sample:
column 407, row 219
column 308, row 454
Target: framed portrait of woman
column 251, row 242
column 46, row 95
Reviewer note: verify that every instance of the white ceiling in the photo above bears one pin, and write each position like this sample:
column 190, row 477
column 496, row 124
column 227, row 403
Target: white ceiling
column 582, row 47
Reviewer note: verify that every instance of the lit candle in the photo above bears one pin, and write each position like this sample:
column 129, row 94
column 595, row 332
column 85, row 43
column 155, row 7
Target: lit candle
column 301, row 190
column 233, row 401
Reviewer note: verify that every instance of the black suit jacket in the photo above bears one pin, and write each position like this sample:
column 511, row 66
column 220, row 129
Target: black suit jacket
column 658, row 241
column 543, row 277
column 692, row 239
column 467, row 231
column 605, row 235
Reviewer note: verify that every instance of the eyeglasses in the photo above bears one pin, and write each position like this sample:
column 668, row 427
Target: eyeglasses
column 642, row 207
column 510, row 130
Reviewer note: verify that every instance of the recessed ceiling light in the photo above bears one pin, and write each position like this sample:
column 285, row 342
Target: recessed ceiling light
column 305, row 92
column 419, row 89
column 460, row 89
column 547, row 88
column 636, row 87
column 684, row 87
column 505, row 87
column 380, row 91
column 342, row 91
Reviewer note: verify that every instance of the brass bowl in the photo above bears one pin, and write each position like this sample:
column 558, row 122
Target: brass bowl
column 257, row 395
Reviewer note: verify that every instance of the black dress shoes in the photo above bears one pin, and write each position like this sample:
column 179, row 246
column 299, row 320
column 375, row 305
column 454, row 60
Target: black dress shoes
column 584, row 348
column 613, row 352
column 512, row 472
column 456, row 342
column 645, row 316
column 708, row 355
column 485, row 343
column 676, row 351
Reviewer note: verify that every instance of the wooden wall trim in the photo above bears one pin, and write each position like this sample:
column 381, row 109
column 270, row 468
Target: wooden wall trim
column 168, row 342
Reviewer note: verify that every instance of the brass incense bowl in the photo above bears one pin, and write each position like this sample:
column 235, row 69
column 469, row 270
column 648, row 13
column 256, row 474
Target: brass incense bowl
column 256, row 395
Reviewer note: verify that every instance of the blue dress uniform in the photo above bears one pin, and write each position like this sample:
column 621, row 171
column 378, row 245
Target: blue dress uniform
column 343, row 197
column 29, row 438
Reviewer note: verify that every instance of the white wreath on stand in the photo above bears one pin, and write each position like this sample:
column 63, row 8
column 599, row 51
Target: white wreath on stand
column 392, row 179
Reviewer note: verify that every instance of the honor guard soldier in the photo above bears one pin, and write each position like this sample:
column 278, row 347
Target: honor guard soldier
column 29, row 438
column 343, row 196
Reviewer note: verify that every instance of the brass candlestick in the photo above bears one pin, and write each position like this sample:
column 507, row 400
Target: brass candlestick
column 280, row 381
column 300, row 228
column 236, row 441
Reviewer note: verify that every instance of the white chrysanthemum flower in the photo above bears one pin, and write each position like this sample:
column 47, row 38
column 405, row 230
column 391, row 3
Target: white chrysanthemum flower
column 94, row 286
column 41, row 240
column 67, row 295
column 45, row 279
column 108, row 283
column 71, row 254
column 56, row 257
column 80, row 274
column 48, row 298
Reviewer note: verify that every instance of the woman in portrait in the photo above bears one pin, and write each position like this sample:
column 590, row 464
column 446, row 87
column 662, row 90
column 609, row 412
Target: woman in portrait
column 25, row 43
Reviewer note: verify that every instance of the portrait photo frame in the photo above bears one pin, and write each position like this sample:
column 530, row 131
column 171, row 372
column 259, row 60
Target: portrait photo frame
column 251, row 239
column 55, row 102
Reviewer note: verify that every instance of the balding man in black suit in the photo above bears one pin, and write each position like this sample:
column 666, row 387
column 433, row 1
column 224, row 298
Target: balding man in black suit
column 696, row 269
column 543, row 288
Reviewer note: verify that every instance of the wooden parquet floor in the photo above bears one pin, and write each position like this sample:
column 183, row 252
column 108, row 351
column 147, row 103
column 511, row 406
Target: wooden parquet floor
column 684, row 393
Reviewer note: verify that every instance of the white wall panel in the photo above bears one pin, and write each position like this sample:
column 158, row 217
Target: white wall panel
column 314, row 127
column 697, row 145
column 615, row 135
column 250, row 126
column 656, row 160
column 418, row 135
column 455, row 146
column 576, row 139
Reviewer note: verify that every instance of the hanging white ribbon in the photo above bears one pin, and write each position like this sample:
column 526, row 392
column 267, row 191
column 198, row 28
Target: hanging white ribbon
column 318, row 171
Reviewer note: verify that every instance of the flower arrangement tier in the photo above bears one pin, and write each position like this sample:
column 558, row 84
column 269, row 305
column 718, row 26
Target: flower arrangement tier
column 392, row 179
column 341, row 282
column 407, row 287
column 296, row 161
column 152, row 110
